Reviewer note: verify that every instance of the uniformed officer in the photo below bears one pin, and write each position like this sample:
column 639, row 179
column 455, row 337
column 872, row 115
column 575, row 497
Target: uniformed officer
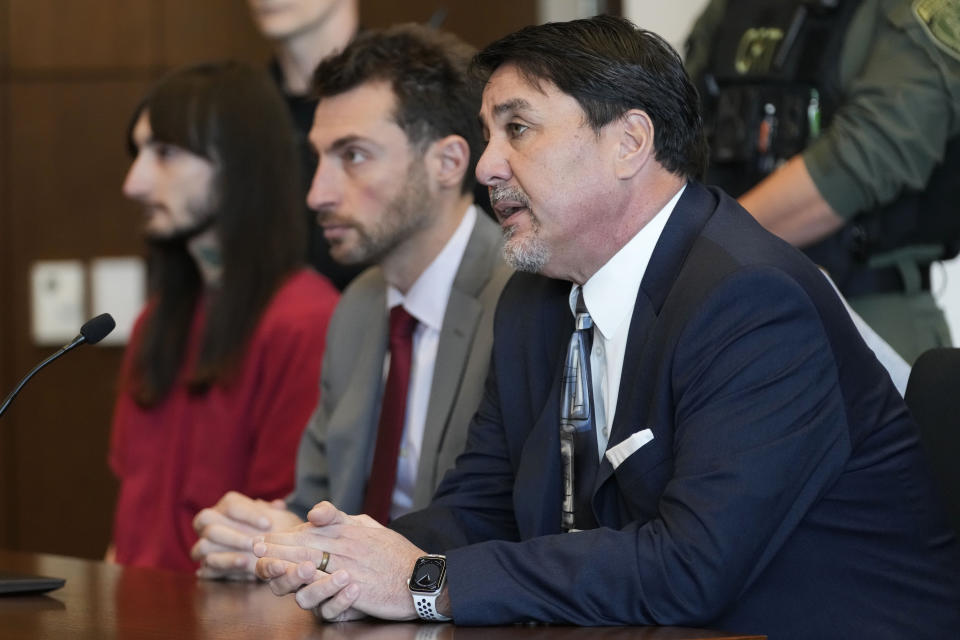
column 837, row 124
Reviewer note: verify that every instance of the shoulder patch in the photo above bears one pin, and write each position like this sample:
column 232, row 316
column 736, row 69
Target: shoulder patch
column 941, row 21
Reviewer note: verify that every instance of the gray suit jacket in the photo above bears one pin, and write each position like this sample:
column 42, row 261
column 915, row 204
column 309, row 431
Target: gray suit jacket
column 336, row 450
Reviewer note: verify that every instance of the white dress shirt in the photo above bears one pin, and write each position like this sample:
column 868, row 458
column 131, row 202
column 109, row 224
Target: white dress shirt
column 610, row 295
column 427, row 302
column 895, row 365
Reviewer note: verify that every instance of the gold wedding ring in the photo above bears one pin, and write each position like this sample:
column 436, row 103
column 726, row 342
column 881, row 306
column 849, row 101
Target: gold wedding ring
column 323, row 562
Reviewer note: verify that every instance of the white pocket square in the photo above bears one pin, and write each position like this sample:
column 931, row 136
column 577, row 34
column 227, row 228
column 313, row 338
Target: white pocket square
column 617, row 454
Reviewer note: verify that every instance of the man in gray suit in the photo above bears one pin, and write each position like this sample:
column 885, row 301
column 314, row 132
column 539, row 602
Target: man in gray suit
column 398, row 140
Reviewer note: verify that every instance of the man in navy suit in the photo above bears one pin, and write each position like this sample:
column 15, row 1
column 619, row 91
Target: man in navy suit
column 760, row 473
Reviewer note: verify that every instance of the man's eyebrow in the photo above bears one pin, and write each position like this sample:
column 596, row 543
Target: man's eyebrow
column 345, row 141
column 340, row 143
column 512, row 105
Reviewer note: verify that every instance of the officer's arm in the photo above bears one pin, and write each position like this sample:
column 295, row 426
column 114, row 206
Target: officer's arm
column 901, row 108
column 887, row 136
column 789, row 204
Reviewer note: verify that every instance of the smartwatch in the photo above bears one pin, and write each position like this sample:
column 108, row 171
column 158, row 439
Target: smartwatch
column 425, row 583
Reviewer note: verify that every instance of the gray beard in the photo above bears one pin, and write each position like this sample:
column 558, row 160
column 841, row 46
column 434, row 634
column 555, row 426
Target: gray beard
column 530, row 255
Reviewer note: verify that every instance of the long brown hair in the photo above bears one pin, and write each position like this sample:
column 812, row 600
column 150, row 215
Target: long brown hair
column 232, row 115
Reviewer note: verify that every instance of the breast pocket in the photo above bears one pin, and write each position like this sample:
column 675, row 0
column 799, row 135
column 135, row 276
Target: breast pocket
column 643, row 473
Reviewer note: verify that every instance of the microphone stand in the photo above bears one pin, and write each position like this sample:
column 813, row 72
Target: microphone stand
column 62, row 350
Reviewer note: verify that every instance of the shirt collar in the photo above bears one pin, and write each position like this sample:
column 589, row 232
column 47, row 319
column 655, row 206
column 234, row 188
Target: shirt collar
column 610, row 294
column 427, row 298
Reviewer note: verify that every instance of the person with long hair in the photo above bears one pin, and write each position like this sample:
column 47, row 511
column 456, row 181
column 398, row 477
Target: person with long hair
column 222, row 371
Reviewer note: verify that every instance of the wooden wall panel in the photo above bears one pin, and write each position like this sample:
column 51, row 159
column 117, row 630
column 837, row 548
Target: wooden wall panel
column 54, row 35
column 479, row 23
column 70, row 150
column 65, row 203
column 6, row 266
column 210, row 30
column 63, row 492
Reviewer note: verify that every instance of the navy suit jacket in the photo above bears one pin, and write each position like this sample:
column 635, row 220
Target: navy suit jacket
column 783, row 491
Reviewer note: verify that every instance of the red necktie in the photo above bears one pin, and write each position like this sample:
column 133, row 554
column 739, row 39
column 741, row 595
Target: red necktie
column 383, row 474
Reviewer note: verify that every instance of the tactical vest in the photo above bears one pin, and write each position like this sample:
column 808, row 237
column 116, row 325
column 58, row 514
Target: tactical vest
column 771, row 86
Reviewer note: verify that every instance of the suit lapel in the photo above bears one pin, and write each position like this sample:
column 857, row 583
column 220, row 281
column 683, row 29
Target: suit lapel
column 632, row 403
column 460, row 321
column 692, row 211
column 537, row 490
column 354, row 422
column 456, row 337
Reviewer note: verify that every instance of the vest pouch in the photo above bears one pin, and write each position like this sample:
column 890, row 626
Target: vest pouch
column 756, row 128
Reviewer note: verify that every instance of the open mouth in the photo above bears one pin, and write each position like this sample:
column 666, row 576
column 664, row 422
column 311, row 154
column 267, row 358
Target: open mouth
column 508, row 201
column 505, row 212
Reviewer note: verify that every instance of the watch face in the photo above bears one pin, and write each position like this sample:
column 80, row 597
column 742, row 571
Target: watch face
column 427, row 575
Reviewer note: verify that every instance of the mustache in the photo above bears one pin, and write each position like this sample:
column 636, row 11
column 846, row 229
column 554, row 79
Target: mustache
column 510, row 193
column 327, row 216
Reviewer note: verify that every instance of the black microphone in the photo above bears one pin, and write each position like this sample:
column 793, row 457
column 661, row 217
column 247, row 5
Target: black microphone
column 92, row 332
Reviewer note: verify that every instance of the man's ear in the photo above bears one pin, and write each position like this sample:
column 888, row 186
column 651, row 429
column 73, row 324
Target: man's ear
column 447, row 161
column 635, row 131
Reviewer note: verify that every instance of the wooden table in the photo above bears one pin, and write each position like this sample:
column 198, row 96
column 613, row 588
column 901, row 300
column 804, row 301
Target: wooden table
column 107, row 601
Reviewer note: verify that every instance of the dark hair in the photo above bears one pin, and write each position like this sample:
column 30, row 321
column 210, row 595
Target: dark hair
column 610, row 66
column 232, row 115
column 428, row 71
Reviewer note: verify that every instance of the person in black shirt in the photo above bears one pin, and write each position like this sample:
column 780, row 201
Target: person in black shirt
column 303, row 32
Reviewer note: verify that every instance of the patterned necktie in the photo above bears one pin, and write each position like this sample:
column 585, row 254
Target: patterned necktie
column 383, row 474
column 578, row 438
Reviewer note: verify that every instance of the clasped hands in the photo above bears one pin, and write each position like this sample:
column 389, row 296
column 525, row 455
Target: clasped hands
column 226, row 532
column 366, row 570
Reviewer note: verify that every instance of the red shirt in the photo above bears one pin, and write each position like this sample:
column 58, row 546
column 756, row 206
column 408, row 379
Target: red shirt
column 183, row 454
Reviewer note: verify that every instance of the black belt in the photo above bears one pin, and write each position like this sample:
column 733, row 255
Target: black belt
column 882, row 280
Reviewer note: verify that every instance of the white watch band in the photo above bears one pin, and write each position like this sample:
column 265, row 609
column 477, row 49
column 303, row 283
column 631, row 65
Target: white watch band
column 426, row 607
